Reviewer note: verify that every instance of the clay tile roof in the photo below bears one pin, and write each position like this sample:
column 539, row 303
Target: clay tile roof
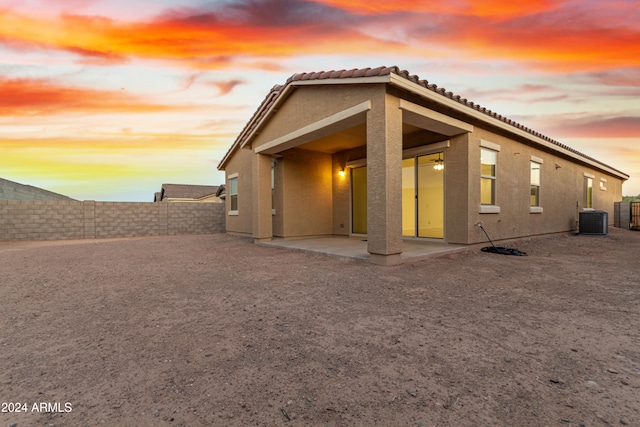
column 385, row 71
column 186, row 191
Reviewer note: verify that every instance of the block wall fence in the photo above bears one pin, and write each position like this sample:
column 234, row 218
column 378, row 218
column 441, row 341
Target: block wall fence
column 60, row 220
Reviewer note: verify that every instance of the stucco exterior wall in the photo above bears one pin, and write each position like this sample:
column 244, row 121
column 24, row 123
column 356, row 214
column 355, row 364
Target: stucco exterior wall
column 240, row 164
column 341, row 195
column 307, row 193
column 278, row 202
column 310, row 104
column 384, row 178
column 561, row 191
column 456, row 187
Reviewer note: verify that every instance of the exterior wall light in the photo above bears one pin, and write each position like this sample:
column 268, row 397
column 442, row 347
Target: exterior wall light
column 341, row 173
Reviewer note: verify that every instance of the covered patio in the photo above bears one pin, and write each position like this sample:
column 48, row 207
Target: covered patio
column 355, row 248
column 304, row 181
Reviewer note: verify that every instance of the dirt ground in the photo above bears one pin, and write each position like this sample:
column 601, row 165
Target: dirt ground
column 216, row 331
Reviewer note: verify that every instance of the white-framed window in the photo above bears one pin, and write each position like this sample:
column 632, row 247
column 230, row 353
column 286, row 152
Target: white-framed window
column 603, row 184
column 588, row 191
column 535, row 171
column 233, row 194
column 273, row 187
column 488, row 162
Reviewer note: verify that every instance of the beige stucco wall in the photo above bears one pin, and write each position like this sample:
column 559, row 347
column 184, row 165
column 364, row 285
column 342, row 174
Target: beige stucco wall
column 309, row 104
column 307, row 193
column 209, row 199
column 278, row 202
column 561, row 191
column 341, row 196
column 384, row 177
column 456, row 185
column 240, row 163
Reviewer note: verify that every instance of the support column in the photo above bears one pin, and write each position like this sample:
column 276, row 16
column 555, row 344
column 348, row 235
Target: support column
column 261, row 203
column 384, row 181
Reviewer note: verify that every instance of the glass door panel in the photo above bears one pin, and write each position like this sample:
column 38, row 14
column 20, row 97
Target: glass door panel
column 409, row 197
column 430, row 200
column 359, row 200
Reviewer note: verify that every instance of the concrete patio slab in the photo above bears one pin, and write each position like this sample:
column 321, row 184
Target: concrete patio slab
column 355, row 248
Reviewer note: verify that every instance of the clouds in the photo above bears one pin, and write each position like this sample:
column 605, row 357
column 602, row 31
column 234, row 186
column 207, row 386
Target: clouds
column 207, row 38
column 548, row 33
column 32, row 97
column 586, row 125
column 225, row 87
column 559, row 40
column 460, row 7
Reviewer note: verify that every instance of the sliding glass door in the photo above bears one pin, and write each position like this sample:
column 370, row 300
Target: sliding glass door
column 359, row 200
column 423, row 196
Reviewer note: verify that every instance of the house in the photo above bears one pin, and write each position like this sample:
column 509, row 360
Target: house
column 10, row 190
column 383, row 154
column 187, row 193
column 221, row 192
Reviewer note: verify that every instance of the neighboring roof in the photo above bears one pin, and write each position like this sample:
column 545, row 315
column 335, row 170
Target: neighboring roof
column 10, row 190
column 187, row 191
column 386, row 75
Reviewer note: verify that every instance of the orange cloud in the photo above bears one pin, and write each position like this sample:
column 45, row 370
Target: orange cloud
column 28, row 97
column 469, row 7
column 227, row 86
column 596, row 37
column 203, row 40
column 547, row 33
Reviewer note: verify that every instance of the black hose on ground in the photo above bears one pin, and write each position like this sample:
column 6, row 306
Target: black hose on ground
column 499, row 249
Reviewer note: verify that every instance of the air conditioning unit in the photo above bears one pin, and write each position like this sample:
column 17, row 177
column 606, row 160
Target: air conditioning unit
column 594, row 222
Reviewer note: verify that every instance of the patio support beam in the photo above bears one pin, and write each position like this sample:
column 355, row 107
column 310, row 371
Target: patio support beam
column 384, row 180
column 324, row 127
column 262, row 217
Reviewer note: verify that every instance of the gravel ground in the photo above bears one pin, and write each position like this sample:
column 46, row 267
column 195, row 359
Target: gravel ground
column 215, row 331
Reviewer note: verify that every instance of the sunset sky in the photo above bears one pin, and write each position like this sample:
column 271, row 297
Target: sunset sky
column 109, row 99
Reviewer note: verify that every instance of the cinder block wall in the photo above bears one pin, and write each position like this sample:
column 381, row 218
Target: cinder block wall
column 184, row 217
column 41, row 220
column 129, row 219
column 10, row 190
column 58, row 220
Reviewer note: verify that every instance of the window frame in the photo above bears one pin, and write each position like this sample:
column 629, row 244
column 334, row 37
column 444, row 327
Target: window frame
column 233, row 196
column 588, row 192
column 493, row 150
column 603, row 184
column 535, row 161
column 273, row 187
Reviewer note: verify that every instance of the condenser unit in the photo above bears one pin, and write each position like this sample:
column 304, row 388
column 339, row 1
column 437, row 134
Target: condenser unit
column 594, row 222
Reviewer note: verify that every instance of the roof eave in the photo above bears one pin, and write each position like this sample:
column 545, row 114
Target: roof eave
column 483, row 117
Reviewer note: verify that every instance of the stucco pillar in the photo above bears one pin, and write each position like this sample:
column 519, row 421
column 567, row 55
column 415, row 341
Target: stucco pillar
column 261, row 203
column 384, row 181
